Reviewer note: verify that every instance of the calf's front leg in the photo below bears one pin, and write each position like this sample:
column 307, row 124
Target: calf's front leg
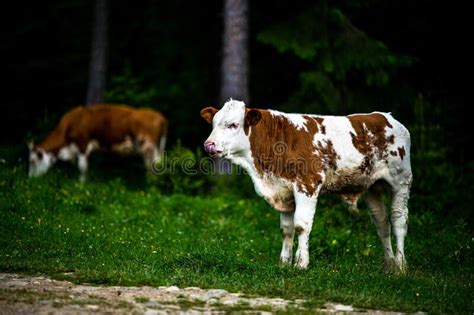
column 303, row 222
column 287, row 229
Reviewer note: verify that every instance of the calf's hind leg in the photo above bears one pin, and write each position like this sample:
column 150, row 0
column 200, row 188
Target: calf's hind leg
column 378, row 212
column 400, row 222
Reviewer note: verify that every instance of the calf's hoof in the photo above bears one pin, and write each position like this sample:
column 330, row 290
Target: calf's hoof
column 285, row 260
column 301, row 262
column 392, row 266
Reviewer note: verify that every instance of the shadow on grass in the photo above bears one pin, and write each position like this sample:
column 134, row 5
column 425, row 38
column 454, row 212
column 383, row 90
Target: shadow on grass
column 103, row 167
column 130, row 169
column 107, row 167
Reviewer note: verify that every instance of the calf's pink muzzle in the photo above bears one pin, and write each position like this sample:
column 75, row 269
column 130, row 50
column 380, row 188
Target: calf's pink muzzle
column 210, row 147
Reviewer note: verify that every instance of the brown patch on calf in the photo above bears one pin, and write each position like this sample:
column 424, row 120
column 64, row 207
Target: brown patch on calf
column 369, row 138
column 393, row 153
column 314, row 124
column 328, row 154
column 348, row 182
column 401, row 152
column 280, row 148
column 208, row 113
column 323, row 129
column 252, row 117
column 299, row 229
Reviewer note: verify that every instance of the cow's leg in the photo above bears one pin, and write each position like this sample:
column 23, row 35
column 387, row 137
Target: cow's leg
column 379, row 215
column 162, row 145
column 82, row 164
column 85, row 149
column 287, row 229
column 400, row 222
column 150, row 154
column 303, row 222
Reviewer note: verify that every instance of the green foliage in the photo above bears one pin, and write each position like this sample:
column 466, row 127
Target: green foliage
column 108, row 232
column 339, row 55
column 437, row 181
column 192, row 172
column 181, row 171
column 129, row 89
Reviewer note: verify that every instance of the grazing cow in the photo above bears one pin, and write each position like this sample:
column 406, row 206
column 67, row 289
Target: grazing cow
column 117, row 128
column 293, row 158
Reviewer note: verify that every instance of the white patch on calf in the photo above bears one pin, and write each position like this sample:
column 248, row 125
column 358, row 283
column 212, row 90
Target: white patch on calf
column 338, row 130
column 296, row 120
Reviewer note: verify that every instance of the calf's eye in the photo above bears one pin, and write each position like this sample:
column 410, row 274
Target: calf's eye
column 233, row 125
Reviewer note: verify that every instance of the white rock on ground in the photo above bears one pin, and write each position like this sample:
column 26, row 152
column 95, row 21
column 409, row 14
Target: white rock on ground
column 20, row 294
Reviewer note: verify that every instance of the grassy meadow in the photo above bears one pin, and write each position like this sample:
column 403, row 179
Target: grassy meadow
column 123, row 227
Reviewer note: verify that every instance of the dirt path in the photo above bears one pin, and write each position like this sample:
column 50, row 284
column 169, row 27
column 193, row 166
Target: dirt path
column 21, row 294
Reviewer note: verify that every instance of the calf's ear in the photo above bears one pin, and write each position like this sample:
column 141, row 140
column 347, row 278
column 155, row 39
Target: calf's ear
column 208, row 113
column 252, row 117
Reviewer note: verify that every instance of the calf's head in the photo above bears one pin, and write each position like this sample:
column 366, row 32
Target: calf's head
column 229, row 136
column 40, row 161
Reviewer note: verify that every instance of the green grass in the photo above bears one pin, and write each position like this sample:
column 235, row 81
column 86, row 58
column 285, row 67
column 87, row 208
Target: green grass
column 108, row 231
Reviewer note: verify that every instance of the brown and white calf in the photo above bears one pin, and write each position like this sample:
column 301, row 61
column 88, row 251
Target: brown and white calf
column 117, row 128
column 293, row 158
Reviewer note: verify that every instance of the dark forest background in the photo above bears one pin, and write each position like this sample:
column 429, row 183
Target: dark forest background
column 324, row 57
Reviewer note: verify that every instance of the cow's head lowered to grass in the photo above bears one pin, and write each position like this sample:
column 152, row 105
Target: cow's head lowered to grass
column 230, row 128
column 40, row 161
column 115, row 128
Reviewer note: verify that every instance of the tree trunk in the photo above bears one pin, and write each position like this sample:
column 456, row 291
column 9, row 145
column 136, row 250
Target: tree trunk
column 234, row 70
column 98, row 64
